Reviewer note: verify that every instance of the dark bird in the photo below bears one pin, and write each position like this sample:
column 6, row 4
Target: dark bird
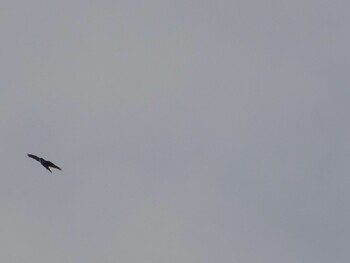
column 46, row 164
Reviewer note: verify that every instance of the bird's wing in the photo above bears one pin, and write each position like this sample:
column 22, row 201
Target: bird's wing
column 34, row 157
column 53, row 165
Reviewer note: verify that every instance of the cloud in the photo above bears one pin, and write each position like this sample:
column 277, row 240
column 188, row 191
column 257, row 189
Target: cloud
column 211, row 132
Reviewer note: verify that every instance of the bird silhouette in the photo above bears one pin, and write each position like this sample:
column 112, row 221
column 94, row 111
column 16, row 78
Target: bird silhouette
column 45, row 163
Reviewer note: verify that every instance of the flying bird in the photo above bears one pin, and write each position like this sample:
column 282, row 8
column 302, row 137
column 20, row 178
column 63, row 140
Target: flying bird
column 45, row 163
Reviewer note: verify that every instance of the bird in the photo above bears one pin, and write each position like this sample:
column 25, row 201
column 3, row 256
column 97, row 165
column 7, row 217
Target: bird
column 45, row 163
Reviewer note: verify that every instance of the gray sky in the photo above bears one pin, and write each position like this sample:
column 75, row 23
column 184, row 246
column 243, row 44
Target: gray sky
column 188, row 131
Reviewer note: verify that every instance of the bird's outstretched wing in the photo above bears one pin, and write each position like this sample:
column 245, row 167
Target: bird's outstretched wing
column 50, row 164
column 34, row 157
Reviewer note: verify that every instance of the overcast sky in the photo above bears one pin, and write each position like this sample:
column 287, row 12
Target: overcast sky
column 187, row 131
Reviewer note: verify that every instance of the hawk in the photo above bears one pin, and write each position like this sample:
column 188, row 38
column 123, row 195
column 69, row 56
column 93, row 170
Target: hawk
column 45, row 163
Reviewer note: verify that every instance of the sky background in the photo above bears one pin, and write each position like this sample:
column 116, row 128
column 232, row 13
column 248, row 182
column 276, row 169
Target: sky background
column 187, row 131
